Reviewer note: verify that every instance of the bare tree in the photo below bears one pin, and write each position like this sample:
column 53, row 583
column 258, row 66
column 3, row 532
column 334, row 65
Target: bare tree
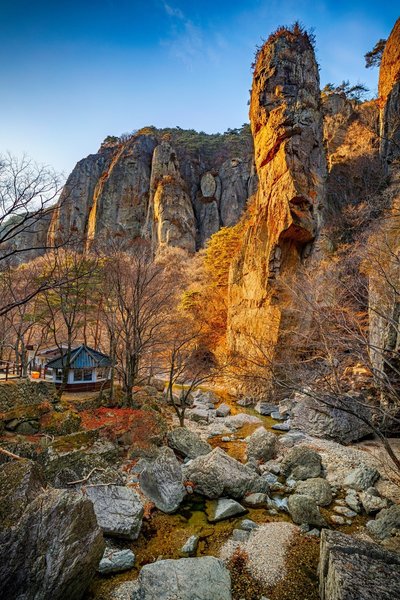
column 28, row 196
column 188, row 365
column 136, row 306
column 28, row 193
column 65, row 307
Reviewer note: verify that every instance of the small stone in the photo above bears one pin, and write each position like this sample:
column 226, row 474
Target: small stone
column 262, row 445
column 239, row 535
column 116, row 561
column 223, row 410
column 186, row 443
column 248, row 525
column 162, row 481
column 371, row 501
column 190, row 546
column 245, row 402
column 198, row 415
column 118, row 510
column 281, row 426
column 343, row 510
column 277, row 416
column 314, row 533
column 265, row 408
column 338, row 520
column 177, row 579
column 301, row 463
column 270, row 478
column 225, row 508
column 255, row 500
column 386, row 523
column 317, row 488
column 273, row 466
column 352, row 501
column 277, row 487
column 304, row 509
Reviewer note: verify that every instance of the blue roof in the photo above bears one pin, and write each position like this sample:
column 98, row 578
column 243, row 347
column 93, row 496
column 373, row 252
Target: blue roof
column 82, row 357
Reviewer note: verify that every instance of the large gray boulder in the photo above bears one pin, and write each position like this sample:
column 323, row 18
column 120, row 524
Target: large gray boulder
column 187, row 444
column 204, row 578
column 317, row 488
column 301, row 463
column 304, row 509
column 352, row 569
column 162, row 481
column 50, row 543
column 328, row 421
column 118, row 509
column 262, row 445
column 216, row 474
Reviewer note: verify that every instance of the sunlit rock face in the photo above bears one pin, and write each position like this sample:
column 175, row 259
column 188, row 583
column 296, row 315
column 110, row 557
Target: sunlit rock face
column 286, row 123
column 384, row 305
column 173, row 192
column 389, row 97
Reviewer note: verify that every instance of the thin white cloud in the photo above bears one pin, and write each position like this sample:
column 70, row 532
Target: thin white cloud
column 173, row 11
column 187, row 41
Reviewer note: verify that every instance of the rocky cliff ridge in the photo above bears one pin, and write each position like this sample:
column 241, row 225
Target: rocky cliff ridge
column 172, row 186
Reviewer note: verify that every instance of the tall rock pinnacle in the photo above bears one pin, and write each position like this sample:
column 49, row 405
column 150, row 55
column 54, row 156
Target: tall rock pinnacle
column 389, row 97
column 289, row 154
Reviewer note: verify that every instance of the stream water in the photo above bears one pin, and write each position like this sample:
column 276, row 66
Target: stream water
column 163, row 535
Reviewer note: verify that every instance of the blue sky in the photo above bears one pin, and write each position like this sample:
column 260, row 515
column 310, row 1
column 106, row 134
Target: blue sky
column 73, row 72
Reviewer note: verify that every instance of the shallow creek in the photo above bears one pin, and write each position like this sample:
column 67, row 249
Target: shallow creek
column 162, row 535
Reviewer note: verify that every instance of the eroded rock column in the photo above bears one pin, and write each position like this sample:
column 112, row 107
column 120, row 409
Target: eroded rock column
column 289, row 154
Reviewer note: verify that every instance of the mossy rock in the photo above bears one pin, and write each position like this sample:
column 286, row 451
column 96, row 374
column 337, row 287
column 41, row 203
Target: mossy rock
column 73, row 456
column 19, row 446
column 61, row 423
column 26, row 393
column 13, row 417
column 81, row 440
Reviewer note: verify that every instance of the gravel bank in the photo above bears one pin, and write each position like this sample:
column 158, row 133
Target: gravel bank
column 266, row 549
